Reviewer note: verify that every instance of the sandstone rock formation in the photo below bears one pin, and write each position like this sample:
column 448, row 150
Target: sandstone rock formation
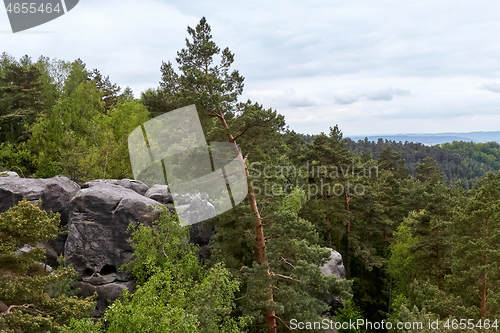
column 97, row 216
column 97, row 244
column 334, row 266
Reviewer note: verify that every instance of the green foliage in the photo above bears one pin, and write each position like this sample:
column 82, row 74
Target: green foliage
column 175, row 293
column 36, row 299
column 485, row 153
column 80, row 140
column 62, row 139
column 301, row 290
column 349, row 312
column 462, row 162
column 428, row 171
column 402, row 266
column 110, row 158
column 414, row 246
column 444, row 258
column 294, row 260
column 58, row 118
column 475, row 273
column 85, row 325
column 161, row 248
column 16, row 158
column 414, row 317
column 21, row 97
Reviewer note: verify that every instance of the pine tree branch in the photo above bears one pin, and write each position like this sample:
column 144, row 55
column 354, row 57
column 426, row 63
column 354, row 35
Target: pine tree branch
column 24, row 306
column 287, row 262
column 286, row 277
column 283, row 322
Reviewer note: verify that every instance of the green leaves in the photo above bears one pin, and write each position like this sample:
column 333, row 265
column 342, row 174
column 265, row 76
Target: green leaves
column 175, row 292
column 79, row 139
column 38, row 300
column 25, row 224
column 444, row 257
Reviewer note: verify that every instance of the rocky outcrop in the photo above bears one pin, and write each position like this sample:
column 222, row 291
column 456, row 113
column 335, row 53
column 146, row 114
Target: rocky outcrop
column 97, row 217
column 131, row 184
column 97, row 244
column 160, row 193
column 55, row 194
column 335, row 265
column 200, row 233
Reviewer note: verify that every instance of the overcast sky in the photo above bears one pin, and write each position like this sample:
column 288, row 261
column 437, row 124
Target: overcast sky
column 373, row 67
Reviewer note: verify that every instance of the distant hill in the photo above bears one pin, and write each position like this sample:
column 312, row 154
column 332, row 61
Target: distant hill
column 458, row 161
column 436, row 138
column 462, row 157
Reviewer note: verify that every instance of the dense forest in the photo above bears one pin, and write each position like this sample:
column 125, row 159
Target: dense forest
column 462, row 162
column 418, row 226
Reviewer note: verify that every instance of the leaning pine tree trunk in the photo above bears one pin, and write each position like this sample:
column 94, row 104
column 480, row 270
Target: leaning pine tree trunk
column 260, row 252
column 348, row 235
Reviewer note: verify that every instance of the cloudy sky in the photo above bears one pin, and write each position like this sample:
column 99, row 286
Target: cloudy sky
column 373, row 67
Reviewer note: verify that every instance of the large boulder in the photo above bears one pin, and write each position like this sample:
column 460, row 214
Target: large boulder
column 132, row 184
column 97, row 218
column 160, row 193
column 191, row 204
column 194, row 207
column 97, row 244
column 335, row 265
column 55, row 194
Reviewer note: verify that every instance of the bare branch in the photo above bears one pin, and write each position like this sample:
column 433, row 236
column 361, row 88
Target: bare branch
column 284, row 276
column 287, row 262
column 283, row 322
column 24, row 306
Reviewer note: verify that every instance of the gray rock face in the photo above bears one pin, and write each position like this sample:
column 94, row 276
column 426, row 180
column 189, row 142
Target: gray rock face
column 160, row 193
column 97, row 244
column 200, row 233
column 334, row 266
column 132, row 184
column 97, row 217
column 194, row 207
column 55, row 193
column 107, row 292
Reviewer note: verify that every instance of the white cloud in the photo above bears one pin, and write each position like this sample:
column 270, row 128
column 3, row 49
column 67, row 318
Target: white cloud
column 377, row 95
column 370, row 66
column 492, row 87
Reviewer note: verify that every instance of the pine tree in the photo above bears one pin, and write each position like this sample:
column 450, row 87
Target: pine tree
column 428, row 171
column 475, row 275
column 295, row 258
column 109, row 91
column 21, row 98
column 214, row 88
column 62, row 138
column 35, row 299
